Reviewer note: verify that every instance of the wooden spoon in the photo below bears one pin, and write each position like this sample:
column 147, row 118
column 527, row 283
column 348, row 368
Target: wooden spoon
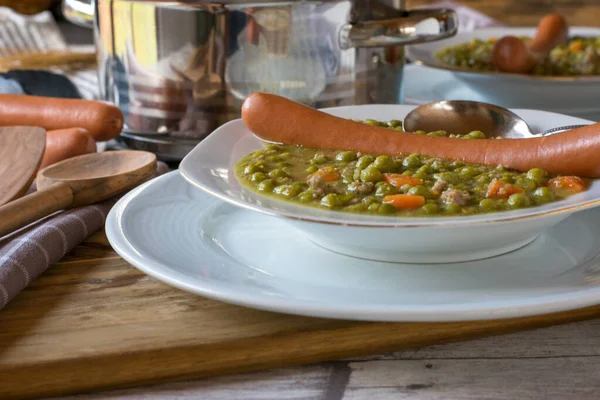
column 76, row 182
column 21, row 152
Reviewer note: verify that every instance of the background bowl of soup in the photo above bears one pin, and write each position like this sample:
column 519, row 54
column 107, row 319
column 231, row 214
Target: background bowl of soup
column 572, row 78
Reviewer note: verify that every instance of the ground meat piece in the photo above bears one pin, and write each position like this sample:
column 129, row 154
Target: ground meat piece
column 361, row 187
column 439, row 186
column 460, row 197
column 319, row 187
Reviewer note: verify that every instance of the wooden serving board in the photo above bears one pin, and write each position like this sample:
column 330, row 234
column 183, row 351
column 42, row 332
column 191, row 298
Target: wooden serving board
column 94, row 322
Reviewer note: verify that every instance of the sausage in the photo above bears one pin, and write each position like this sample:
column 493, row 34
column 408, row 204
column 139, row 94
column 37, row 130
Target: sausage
column 102, row 120
column 276, row 119
column 66, row 143
column 511, row 54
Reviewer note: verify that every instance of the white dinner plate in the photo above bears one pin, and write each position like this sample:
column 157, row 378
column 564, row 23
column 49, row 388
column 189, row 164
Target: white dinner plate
column 198, row 243
column 424, row 85
column 210, row 167
column 557, row 94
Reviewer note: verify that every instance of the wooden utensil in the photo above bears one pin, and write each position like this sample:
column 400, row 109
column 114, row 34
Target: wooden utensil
column 76, row 182
column 21, row 152
column 68, row 59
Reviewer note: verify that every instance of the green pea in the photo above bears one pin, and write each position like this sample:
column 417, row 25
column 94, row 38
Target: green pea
column 419, row 191
column 518, row 200
column 384, row 163
column 278, row 173
column 373, row 207
column 525, row 183
column 360, row 207
column 272, row 158
column 475, row 135
column 452, row 209
column 346, row 156
column 430, row 208
column 348, row 174
column 487, row 205
column 369, row 200
column 385, row 189
column 468, row 172
column 439, row 165
column 306, row 196
column 412, row 161
column 311, row 169
column 258, row 177
column 319, row 158
column 394, row 123
column 346, row 197
column 483, row 179
column 250, row 169
column 283, row 180
column 448, row 177
column 331, row 200
column 285, row 155
column 420, row 132
column 300, row 184
column 422, row 172
column 371, row 122
column 543, row 195
column 371, row 174
column 386, row 209
column 267, row 185
column 287, row 190
column 537, row 175
column 437, row 133
column 364, row 162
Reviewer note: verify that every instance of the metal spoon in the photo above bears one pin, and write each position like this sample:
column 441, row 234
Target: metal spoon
column 461, row 116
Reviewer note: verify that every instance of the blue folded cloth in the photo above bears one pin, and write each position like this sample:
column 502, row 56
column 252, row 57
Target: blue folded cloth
column 10, row 86
column 38, row 83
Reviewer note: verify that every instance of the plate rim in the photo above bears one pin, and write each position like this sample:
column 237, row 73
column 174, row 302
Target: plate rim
column 518, row 77
column 540, row 305
column 186, row 170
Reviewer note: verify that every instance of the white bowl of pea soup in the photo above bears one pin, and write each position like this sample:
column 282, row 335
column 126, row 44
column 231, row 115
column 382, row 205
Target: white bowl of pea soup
column 568, row 78
column 407, row 208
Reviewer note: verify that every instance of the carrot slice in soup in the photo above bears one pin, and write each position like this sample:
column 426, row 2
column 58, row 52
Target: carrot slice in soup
column 404, row 201
column 399, row 180
column 327, row 173
column 501, row 190
column 573, row 184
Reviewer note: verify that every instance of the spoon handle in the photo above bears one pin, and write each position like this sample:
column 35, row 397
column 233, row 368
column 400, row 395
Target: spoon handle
column 23, row 211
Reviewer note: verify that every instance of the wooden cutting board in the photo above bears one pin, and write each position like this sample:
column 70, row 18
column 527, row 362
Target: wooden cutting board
column 93, row 322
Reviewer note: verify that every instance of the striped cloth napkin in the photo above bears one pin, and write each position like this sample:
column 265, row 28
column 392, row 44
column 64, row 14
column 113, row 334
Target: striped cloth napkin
column 26, row 34
column 27, row 253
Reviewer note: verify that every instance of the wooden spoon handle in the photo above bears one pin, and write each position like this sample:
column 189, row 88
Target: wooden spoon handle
column 30, row 208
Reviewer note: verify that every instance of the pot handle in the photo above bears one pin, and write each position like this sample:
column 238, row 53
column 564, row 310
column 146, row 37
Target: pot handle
column 79, row 12
column 417, row 26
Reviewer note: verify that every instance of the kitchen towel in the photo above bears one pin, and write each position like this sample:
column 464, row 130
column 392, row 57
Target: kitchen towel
column 27, row 253
column 26, row 34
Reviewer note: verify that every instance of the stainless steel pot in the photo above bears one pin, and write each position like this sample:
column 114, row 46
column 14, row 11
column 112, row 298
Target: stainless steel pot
column 179, row 69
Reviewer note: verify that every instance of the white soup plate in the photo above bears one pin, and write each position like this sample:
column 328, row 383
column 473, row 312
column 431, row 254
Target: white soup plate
column 520, row 90
column 210, row 167
column 196, row 242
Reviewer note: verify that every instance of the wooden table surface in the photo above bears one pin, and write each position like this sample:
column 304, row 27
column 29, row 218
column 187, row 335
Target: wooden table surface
column 550, row 363
column 553, row 363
